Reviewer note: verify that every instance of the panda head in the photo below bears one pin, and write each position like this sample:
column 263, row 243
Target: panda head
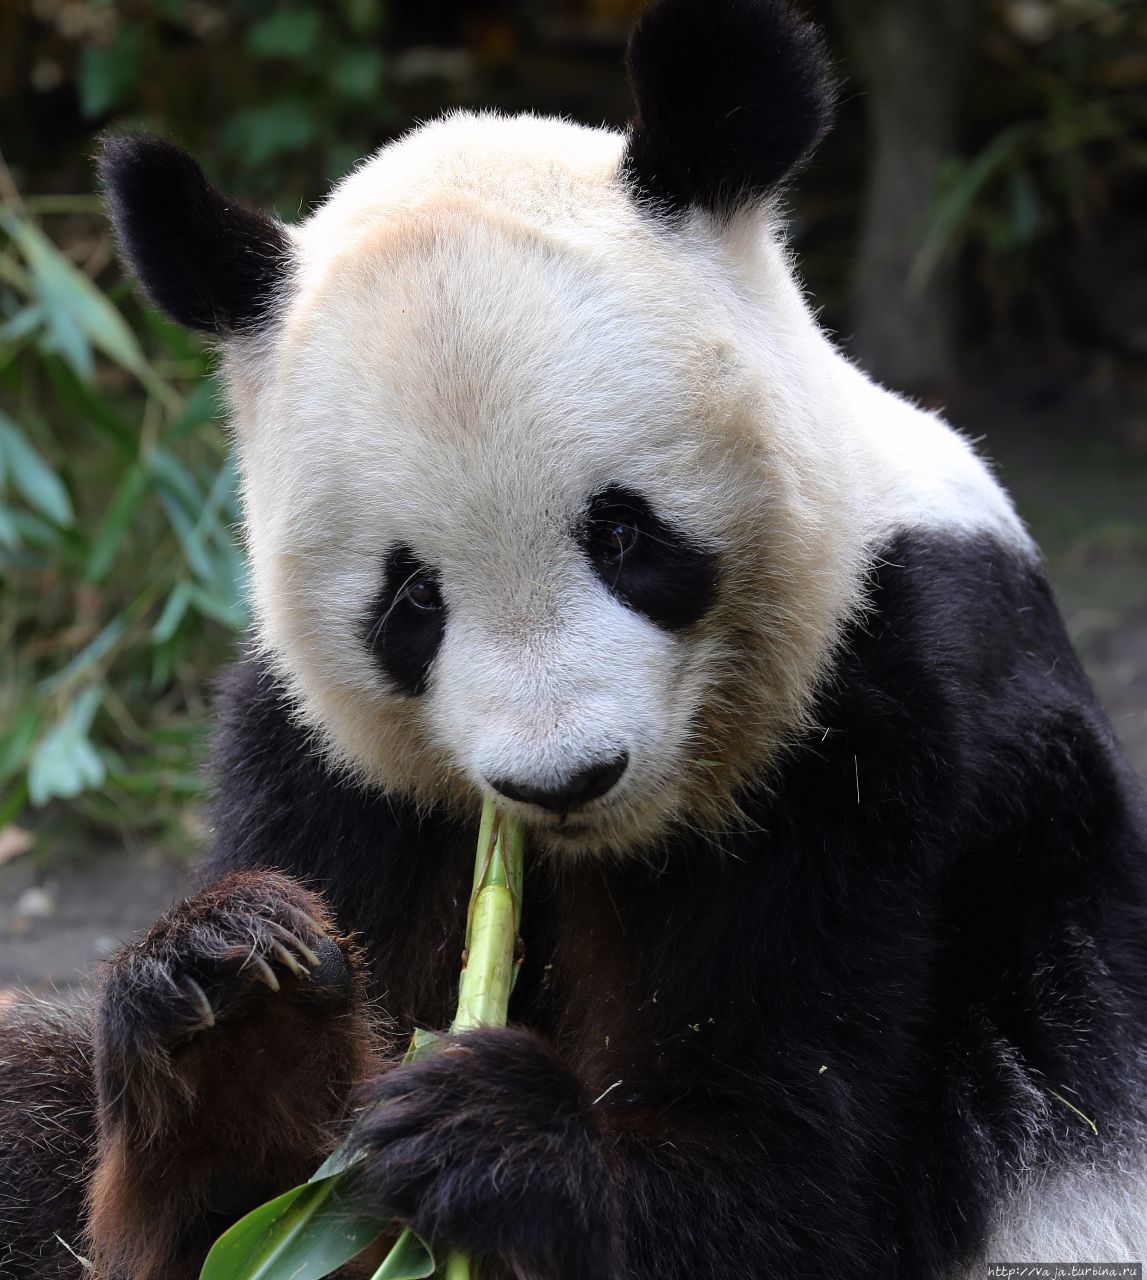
column 539, row 498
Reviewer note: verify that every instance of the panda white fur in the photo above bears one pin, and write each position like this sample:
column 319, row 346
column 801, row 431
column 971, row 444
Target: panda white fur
column 554, row 490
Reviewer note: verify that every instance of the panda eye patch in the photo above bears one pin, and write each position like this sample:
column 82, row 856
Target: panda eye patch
column 649, row 564
column 406, row 621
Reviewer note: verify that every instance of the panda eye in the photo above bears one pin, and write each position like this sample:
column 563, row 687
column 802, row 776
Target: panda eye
column 643, row 561
column 422, row 593
column 613, row 538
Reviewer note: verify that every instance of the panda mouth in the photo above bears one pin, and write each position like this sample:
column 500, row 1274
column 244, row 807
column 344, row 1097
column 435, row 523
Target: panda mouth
column 564, row 824
column 574, row 825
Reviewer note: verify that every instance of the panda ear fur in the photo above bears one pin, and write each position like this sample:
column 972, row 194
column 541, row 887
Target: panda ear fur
column 731, row 97
column 207, row 261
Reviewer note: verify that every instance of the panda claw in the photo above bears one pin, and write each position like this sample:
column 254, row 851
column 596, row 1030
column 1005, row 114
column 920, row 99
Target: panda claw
column 264, row 972
column 308, row 955
column 319, row 928
column 200, row 1001
column 286, row 958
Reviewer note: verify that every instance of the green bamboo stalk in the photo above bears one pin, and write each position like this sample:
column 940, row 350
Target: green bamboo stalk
column 489, row 962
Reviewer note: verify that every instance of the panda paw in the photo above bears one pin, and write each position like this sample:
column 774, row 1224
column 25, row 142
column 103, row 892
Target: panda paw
column 224, row 973
column 490, row 1146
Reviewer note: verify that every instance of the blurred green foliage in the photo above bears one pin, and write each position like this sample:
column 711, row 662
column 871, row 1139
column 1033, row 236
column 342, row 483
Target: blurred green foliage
column 277, row 96
column 119, row 567
column 1057, row 113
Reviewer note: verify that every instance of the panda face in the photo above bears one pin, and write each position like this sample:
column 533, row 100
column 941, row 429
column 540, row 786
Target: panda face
column 477, row 551
column 566, row 679
column 525, row 517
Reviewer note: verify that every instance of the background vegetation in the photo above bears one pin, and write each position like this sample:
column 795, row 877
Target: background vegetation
column 998, row 259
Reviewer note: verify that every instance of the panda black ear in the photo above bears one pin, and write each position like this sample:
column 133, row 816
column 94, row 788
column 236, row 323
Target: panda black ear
column 731, row 97
column 207, row 261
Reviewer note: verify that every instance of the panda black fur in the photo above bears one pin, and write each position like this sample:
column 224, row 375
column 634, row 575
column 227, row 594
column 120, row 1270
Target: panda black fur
column 550, row 474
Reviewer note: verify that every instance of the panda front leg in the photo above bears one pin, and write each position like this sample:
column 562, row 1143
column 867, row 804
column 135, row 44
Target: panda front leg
column 491, row 1147
column 227, row 1042
column 494, row 1148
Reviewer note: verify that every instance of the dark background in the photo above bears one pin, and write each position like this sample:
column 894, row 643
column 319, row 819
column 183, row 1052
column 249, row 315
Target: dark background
column 974, row 232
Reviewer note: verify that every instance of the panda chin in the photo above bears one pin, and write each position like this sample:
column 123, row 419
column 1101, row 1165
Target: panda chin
column 611, row 834
column 571, row 834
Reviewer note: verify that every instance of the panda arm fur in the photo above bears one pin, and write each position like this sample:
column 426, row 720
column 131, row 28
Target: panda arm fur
column 226, row 1042
column 47, row 1137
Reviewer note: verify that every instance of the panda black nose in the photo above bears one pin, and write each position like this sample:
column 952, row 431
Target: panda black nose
column 578, row 789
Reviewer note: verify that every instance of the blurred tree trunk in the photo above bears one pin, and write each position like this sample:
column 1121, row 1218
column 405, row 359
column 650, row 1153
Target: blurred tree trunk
column 909, row 56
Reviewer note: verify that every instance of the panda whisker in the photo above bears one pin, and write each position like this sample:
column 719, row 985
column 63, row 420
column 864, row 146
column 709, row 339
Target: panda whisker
column 377, row 631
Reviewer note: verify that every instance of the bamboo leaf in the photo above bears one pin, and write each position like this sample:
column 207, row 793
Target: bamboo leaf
column 228, row 613
column 120, row 513
column 39, row 484
column 64, row 762
column 88, row 656
column 9, row 530
column 202, row 405
column 303, row 1235
column 72, row 303
column 110, row 72
column 62, row 336
column 951, row 210
column 22, row 323
column 172, row 613
column 410, row 1259
column 20, row 732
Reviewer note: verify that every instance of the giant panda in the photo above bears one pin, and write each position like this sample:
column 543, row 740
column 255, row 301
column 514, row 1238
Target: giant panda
column 835, row 944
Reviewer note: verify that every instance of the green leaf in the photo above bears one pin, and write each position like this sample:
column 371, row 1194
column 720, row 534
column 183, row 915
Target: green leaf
column 73, row 305
column 64, row 763
column 109, row 72
column 120, row 513
column 280, row 128
column 227, row 613
column 303, row 1235
column 9, row 530
column 36, row 532
column 22, row 323
column 20, row 733
column 423, row 1043
column 950, row 212
column 174, row 478
column 201, row 406
column 33, row 477
column 357, row 73
column 86, row 404
column 291, row 33
column 63, row 337
column 13, row 802
column 88, row 656
column 410, row 1259
column 172, row 613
